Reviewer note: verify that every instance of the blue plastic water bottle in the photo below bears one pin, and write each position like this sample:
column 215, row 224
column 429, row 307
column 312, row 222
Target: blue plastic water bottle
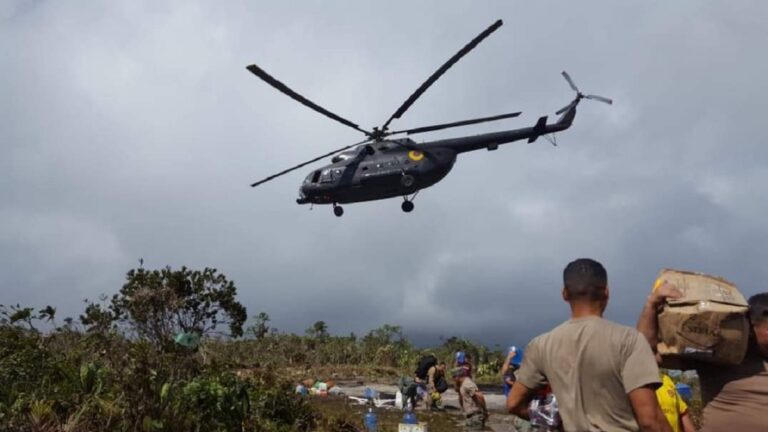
column 369, row 393
column 370, row 421
column 410, row 417
column 684, row 390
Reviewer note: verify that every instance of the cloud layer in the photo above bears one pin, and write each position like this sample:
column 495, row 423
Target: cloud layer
column 132, row 129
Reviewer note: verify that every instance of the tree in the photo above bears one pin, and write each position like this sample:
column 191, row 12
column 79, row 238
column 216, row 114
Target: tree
column 261, row 327
column 17, row 314
column 158, row 304
column 319, row 330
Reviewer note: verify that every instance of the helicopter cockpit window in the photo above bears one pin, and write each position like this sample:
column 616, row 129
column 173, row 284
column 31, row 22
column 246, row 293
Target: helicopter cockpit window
column 326, row 176
column 330, row 175
column 313, row 178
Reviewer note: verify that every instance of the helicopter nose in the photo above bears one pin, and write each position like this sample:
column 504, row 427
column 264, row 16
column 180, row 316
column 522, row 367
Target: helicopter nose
column 303, row 196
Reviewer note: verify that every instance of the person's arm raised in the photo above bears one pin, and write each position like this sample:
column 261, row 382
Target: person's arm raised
column 648, row 415
column 648, row 324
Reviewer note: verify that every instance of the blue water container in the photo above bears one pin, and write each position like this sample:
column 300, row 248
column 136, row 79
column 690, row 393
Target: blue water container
column 410, row 417
column 370, row 393
column 370, row 421
column 684, row 390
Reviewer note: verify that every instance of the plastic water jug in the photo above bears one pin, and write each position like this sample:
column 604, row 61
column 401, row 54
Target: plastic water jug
column 684, row 390
column 370, row 393
column 410, row 417
column 371, row 421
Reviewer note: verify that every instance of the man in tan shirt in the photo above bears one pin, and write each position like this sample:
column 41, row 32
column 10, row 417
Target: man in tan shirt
column 735, row 397
column 603, row 375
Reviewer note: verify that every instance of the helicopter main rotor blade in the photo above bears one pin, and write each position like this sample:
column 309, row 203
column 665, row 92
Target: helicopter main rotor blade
column 438, row 73
column 293, row 168
column 599, row 98
column 570, row 81
column 269, row 79
column 456, row 124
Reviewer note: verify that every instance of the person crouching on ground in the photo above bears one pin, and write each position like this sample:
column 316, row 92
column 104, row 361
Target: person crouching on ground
column 603, row 375
column 735, row 397
column 440, row 385
column 471, row 400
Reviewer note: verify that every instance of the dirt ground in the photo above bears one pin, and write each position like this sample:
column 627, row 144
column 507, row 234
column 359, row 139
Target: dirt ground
column 447, row 421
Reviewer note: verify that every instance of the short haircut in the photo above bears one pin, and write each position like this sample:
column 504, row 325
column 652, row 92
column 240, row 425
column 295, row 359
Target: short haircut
column 585, row 279
column 758, row 308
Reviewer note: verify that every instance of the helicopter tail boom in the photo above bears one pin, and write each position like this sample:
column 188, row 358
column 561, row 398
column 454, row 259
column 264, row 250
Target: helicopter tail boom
column 491, row 141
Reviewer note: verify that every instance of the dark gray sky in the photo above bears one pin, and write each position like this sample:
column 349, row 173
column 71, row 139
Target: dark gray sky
column 132, row 129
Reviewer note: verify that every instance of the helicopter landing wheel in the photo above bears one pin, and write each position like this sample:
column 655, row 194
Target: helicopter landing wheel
column 407, row 206
column 338, row 210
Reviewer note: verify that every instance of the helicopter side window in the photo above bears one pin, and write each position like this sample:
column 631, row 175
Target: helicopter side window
column 316, row 176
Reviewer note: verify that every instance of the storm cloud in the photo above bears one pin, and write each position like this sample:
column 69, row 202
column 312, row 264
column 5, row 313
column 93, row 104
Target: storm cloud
column 131, row 130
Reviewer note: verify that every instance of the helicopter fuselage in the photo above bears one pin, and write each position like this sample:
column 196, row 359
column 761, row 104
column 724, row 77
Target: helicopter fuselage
column 376, row 171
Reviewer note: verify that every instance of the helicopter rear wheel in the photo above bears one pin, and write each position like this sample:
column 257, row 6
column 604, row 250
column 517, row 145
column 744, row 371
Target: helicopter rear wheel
column 338, row 210
column 407, row 206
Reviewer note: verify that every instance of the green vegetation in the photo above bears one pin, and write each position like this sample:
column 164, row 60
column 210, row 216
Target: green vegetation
column 123, row 367
column 119, row 367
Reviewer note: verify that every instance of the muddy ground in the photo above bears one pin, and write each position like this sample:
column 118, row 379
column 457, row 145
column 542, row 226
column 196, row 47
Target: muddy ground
column 448, row 421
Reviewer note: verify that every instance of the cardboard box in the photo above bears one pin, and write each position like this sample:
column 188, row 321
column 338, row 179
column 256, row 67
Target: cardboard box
column 708, row 323
column 421, row 427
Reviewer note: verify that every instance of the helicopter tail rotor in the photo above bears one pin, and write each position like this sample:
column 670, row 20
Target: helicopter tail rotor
column 580, row 95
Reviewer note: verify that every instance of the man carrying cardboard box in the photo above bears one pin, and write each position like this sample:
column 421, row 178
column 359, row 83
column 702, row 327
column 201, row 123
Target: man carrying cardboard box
column 735, row 396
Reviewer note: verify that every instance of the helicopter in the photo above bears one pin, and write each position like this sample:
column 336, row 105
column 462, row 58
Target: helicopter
column 381, row 167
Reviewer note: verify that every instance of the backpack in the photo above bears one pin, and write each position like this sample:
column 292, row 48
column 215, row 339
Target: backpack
column 424, row 365
column 441, row 385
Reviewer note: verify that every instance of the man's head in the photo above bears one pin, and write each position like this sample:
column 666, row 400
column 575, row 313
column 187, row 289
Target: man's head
column 585, row 281
column 758, row 316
